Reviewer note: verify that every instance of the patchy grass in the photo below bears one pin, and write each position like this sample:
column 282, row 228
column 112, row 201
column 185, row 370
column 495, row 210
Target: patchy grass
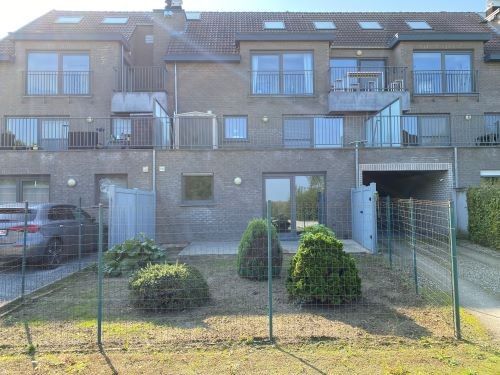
column 389, row 313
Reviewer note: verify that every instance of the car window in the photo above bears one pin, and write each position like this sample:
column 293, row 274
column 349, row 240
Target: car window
column 15, row 214
column 83, row 214
column 61, row 213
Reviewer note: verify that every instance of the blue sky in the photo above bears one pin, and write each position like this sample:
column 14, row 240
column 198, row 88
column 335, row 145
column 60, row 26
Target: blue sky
column 18, row 13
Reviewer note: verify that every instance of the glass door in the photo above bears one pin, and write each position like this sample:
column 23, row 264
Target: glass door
column 309, row 201
column 278, row 191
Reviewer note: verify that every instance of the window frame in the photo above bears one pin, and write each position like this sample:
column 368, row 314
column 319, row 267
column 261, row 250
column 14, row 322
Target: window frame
column 60, row 74
column 281, row 72
column 420, row 136
column 324, row 25
column 200, row 202
column 267, row 25
column 364, row 25
column 21, row 179
column 495, row 123
column 39, row 130
column 235, row 139
column 68, row 20
column 414, row 27
column 312, row 132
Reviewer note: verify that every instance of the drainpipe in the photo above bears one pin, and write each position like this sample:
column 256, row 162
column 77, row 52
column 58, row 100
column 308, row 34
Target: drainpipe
column 175, row 88
column 154, row 170
column 121, row 69
column 455, row 154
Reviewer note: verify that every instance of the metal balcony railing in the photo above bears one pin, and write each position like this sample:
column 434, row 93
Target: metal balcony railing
column 57, row 83
column 444, row 82
column 299, row 82
column 248, row 133
column 390, row 78
column 141, row 79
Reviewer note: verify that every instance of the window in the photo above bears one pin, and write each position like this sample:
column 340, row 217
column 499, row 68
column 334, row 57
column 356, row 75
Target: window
column 115, row 20
column 317, row 132
column 58, row 213
column 34, row 189
column 288, row 73
column 277, row 25
column 442, row 73
column 45, row 133
column 345, row 74
column 198, row 188
column 122, row 129
column 235, row 127
column 426, row 130
column 193, row 16
column 492, row 124
column 68, row 19
column 370, row 25
column 324, row 25
column 418, row 25
column 103, row 182
column 52, row 73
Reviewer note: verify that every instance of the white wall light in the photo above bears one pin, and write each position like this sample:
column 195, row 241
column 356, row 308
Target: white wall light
column 71, row 182
column 237, row 181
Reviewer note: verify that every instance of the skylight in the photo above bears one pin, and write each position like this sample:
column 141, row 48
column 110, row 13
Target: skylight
column 324, row 25
column 370, row 25
column 115, row 20
column 419, row 25
column 193, row 15
column 274, row 25
column 68, row 19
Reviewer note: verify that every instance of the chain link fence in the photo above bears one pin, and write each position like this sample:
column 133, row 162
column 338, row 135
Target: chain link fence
column 228, row 281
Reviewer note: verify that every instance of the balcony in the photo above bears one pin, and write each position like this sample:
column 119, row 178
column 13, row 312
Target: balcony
column 205, row 131
column 445, row 82
column 282, row 83
column 354, row 89
column 57, row 83
column 137, row 87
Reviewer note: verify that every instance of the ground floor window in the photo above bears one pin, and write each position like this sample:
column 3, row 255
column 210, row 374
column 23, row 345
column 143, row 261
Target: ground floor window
column 197, row 188
column 103, row 182
column 34, row 189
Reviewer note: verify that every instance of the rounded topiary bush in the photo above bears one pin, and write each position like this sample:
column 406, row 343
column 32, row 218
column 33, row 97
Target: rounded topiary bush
column 252, row 252
column 168, row 287
column 321, row 272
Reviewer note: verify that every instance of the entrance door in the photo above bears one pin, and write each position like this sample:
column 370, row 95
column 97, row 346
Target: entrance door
column 297, row 201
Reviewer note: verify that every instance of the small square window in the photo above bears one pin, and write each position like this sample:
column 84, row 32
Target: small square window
column 324, row 25
column 198, row 188
column 115, row 20
column 193, row 16
column 370, row 25
column 68, row 19
column 276, row 25
column 235, row 127
column 418, row 25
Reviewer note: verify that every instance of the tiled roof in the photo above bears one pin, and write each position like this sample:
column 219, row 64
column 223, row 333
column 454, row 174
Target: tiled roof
column 6, row 47
column 90, row 23
column 493, row 46
column 215, row 32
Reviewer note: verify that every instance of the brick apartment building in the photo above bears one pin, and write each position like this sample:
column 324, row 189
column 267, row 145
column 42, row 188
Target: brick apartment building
column 220, row 111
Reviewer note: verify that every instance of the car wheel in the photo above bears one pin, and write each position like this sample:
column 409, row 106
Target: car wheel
column 54, row 253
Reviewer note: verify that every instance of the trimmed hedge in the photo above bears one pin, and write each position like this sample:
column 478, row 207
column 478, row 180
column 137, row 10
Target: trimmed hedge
column 321, row 272
column 168, row 287
column 484, row 215
column 252, row 251
column 132, row 255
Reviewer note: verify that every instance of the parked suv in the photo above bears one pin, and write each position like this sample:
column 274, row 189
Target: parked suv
column 52, row 232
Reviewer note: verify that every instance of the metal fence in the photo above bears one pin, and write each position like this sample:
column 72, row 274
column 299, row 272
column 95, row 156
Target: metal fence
column 75, row 292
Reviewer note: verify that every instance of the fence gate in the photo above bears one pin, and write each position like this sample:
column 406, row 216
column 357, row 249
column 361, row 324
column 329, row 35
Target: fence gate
column 131, row 211
column 364, row 216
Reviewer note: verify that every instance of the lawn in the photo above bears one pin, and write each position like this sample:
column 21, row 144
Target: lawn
column 390, row 330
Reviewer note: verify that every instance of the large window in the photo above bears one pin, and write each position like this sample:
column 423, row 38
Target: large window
column 34, row 189
column 197, row 188
column 443, row 73
column 318, row 132
column 53, row 73
column 290, row 73
column 49, row 134
column 235, row 128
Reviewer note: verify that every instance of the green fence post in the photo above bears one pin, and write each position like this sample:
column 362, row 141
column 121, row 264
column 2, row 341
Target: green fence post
column 454, row 269
column 389, row 228
column 413, row 243
column 99, row 278
column 80, row 235
column 270, row 269
column 25, row 244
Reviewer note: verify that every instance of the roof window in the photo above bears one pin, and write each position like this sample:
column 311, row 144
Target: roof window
column 276, row 25
column 193, row 16
column 324, row 25
column 115, row 20
column 418, row 25
column 68, row 19
column 370, row 25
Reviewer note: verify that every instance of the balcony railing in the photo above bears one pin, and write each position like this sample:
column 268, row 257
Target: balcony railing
column 141, row 79
column 252, row 133
column 444, row 82
column 368, row 79
column 57, row 83
column 300, row 82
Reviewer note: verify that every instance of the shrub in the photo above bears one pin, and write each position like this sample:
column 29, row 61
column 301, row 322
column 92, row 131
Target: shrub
column 321, row 272
column 484, row 215
column 132, row 255
column 252, row 252
column 168, row 287
column 319, row 228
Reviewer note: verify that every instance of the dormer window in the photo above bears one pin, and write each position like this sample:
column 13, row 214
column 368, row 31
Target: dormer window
column 324, row 25
column 274, row 25
column 418, row 25
column 68, row 19
column 115, row 20
column 370, row 25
